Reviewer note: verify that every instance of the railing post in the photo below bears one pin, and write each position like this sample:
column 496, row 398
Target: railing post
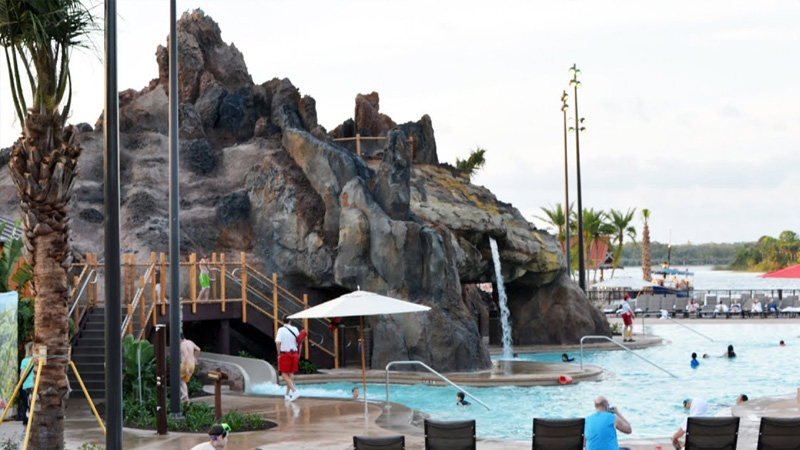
column 162, row 294
column 336, row 347
column 213, row 280
column 358, row 144
column 192, row 278
column 222, row 280
column 130, row 319
column 244, row 288
column 126, row 272
column 153, row 280
column 142, row 304
column 305, row 323
column 275, row 317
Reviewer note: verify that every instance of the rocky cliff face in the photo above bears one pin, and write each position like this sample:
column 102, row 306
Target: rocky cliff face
column 258, row 174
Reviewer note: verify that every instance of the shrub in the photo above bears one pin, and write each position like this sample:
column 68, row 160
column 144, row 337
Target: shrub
column 306, row 367
column 235, row 419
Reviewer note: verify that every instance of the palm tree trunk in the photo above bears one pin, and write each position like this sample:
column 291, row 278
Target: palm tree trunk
column 43, row 165
column 646, row 276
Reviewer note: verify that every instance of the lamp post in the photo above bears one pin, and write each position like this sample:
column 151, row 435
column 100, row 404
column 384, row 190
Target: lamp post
column 578, row 128
column 567, row 241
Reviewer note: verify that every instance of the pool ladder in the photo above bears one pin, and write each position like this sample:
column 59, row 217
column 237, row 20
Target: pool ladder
column 420, row 363
column 627, row 350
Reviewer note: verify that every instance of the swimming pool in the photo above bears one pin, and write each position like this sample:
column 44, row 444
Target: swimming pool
column 647, row 397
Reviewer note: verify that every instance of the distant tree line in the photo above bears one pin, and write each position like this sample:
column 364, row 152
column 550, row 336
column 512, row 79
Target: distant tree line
column 769, row 253
column 722, row 254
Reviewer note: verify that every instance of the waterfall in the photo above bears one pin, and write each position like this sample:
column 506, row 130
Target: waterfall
column 501, row 295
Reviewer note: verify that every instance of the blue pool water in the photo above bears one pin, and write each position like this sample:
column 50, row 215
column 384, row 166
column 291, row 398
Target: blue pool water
column 647, row 397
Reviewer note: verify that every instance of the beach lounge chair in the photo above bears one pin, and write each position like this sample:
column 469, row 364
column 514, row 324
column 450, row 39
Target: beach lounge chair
column 680, row 306
column 712, row 433
column 779, row 434
column 454, row 435
column 707, row 311
column 379, row 442
column 653, row 305
column 558, row 434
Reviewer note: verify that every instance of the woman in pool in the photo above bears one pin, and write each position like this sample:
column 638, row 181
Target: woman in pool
column 565, row 358
column 730, row 353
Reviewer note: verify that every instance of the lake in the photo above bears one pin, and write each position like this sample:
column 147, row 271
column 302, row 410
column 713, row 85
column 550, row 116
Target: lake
column 707, row 279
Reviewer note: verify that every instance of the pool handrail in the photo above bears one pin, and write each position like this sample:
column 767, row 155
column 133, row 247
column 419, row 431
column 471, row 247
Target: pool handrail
column 691, row 329
column 430, row 369
column 627, row 350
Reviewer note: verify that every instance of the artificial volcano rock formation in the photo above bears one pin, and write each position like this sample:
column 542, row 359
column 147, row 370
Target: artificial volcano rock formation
column 259, row 175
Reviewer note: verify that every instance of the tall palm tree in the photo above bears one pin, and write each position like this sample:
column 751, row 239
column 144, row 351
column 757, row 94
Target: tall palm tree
column 621, row 225
column 646, row 275
column 38, row 38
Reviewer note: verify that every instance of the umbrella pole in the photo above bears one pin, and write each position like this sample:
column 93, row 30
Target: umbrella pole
column 363, row 363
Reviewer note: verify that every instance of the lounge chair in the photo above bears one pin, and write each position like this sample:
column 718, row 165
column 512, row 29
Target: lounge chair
column 558, row 434
column 779, row 434
column 712, row 433
column 379, row 442
column 455, row 435
column 680, row 306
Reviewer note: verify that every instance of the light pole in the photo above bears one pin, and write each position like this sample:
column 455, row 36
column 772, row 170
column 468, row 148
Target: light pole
column 578, row 128
column 567, row 241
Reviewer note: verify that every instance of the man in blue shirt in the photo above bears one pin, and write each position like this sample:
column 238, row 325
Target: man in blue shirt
column 600, row 429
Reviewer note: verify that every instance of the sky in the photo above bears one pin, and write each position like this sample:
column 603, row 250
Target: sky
column 692, row 108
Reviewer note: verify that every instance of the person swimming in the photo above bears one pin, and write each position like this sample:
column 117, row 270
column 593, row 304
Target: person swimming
column 565, row 358
column 730, row 353
column 694, row 363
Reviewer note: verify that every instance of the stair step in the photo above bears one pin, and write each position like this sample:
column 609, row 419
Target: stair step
column 94, row 350
column 81, row 360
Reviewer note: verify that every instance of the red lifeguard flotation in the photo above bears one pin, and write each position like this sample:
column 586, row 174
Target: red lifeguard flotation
column 564, row 379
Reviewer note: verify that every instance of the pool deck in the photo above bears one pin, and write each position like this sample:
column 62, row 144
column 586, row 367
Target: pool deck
column 311, row 423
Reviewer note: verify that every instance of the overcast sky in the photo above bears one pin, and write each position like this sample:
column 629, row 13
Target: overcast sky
column 692, row 107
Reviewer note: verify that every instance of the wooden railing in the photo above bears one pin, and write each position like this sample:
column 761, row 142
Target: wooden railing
column 143, row 295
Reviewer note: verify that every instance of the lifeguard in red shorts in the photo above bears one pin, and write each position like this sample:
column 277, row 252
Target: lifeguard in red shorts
column 288, row 357
column 627, row 319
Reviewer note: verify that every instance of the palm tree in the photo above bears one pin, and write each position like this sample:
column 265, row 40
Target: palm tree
column 554, row 216
column 38, row 38
column 472, row 164
column 646, row 276
column 621, row 224
column 594, row 229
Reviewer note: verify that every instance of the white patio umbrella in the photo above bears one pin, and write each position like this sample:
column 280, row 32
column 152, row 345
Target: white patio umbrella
column 360, row 304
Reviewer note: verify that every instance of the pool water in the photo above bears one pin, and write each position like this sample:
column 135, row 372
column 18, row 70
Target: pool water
column 650, row 399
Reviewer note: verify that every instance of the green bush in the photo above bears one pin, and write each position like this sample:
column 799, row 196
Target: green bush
column 246, row 354
column 253, row 421
column 199, row 416
column 235, row 419
column 306, row 367
column 136, row 353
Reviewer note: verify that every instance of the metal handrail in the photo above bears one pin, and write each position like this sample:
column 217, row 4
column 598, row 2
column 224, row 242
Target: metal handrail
column 420, row 363
column 691, row 329
column 86, row 282
column 136, row 299
column 627, row 350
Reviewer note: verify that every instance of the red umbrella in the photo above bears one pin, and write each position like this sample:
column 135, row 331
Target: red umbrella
column 787, row 272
